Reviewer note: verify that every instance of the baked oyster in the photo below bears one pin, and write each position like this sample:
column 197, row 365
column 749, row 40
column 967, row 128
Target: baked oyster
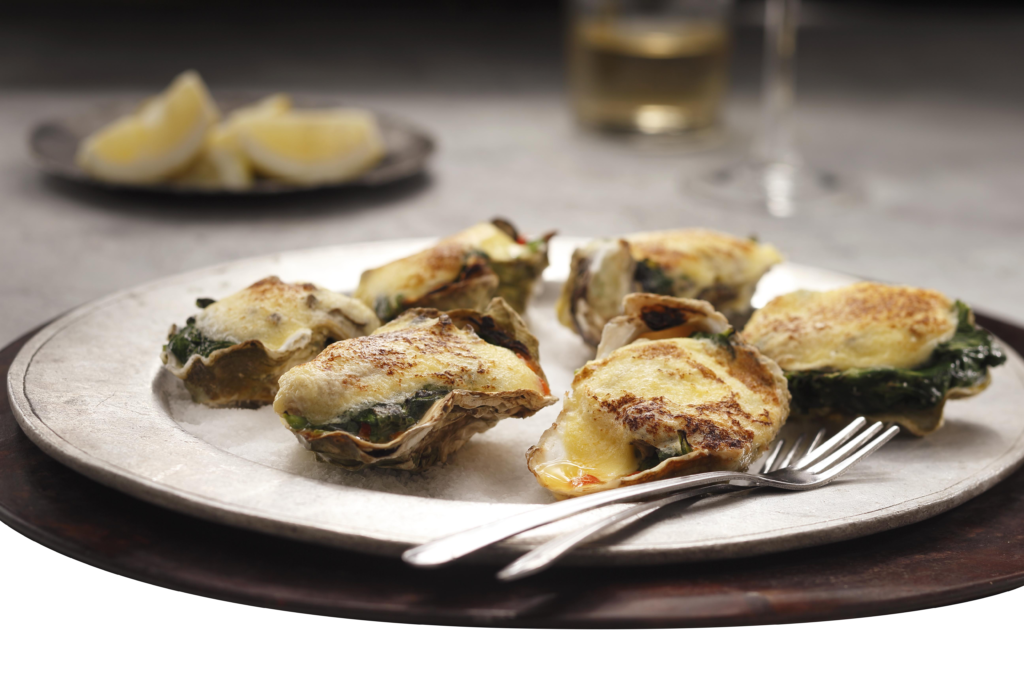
column 693, row 263
column 462, row 271
column 232, row 352
column 891, row 353
column 673, row 391
column 414, row 391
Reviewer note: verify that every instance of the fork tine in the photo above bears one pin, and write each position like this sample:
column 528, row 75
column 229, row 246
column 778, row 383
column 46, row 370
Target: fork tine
column 849, row 462
column 792, row 452
column 770, row 460
column 822, row 464
column 817, row 440
column 835, row 442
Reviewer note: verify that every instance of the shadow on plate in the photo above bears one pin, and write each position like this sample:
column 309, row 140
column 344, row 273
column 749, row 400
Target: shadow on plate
column 169, row 208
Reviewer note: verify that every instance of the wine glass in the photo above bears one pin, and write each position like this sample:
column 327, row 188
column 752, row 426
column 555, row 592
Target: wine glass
column 774, row 177
column 655, row 68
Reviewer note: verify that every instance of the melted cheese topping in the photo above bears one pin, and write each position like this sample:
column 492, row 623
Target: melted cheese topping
column 413, row 276
column 491, row 240
column 704, row 258
column 866, row 325
column 397, row 360
column 649, row 391
column 416, row 276
column 284, row 316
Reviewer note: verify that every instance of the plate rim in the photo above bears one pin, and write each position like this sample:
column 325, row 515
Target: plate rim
column 236, row 514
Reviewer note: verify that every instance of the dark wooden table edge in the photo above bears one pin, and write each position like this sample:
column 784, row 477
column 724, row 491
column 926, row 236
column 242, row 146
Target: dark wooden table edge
column 832, row 612
column 853, row 610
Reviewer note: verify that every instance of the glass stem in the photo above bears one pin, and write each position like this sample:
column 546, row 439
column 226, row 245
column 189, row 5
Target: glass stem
column 775, row 143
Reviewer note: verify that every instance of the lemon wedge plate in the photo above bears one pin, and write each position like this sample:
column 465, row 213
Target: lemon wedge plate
column 326, row 144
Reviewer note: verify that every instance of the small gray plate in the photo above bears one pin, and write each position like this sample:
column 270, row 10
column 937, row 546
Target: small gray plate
column 53, row 145
column 89, row 390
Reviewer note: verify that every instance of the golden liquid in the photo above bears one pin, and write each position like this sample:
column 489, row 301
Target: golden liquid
column 652, row 78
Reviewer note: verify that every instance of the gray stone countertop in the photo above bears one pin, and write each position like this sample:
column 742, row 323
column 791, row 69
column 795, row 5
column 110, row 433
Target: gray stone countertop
column 940, row 169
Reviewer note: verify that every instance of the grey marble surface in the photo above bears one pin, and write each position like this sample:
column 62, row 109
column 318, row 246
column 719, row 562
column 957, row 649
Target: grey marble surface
column 936, row 144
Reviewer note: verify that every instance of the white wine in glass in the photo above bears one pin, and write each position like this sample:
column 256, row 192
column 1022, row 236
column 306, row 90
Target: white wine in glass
column 649, row 66
column 774, row 177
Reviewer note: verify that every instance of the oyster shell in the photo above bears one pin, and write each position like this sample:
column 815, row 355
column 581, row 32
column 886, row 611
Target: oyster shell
column 888, row 352
column 232, row 352
column 600, row 276
column 463, row 271
column 364, row 402
column 518, row 267
column 673, row 391
column 691, row 263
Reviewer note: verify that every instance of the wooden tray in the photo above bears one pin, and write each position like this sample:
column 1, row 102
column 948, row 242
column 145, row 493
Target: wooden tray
column 970, row 552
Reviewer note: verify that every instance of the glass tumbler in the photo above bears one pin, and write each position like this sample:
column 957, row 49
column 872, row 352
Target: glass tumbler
column 649, row 66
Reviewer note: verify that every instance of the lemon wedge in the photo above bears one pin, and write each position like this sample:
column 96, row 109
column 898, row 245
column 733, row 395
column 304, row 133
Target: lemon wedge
column 313, row 146
column 200, row 173
column 162, row 137
column 223, row 163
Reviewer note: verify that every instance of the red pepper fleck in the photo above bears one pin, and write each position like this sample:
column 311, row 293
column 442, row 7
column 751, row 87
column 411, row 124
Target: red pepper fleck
column 532, row 364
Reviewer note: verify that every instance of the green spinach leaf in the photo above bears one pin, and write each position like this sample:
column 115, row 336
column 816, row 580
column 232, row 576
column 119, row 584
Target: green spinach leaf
column 380, row 422
column 961, row 362
column 652, row 279
column 189, row 341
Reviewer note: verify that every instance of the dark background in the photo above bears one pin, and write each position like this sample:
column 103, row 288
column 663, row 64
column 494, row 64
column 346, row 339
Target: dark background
column 460, row 45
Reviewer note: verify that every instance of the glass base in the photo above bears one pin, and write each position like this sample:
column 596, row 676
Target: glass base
column 696, row 141
column 780, row 189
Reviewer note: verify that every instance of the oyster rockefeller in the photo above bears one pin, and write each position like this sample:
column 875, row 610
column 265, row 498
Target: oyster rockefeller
column 232, row 351
column 462, row 271
column 693, row 263
column 414, row 391
column 673, row 391
column 887, row 352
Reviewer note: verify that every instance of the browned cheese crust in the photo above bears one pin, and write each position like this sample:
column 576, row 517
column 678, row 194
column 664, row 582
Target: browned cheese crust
column 488, row 361
column 278, row 325
column 713, row 400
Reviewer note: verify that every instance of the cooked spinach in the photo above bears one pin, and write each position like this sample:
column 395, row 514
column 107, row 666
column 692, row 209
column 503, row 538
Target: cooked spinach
column 296, row 422
column 652, row 456
column 387, row 308
column 961, row 362
column 205, row 302
column 189, row 341
column 379, row 422
column 652, row 278
column 723, row 339
column 536, row 245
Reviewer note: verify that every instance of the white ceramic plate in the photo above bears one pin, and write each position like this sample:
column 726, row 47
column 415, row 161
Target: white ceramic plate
column 89, row 390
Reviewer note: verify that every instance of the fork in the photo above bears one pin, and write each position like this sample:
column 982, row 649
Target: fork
column 830, row 460
column 546, row 554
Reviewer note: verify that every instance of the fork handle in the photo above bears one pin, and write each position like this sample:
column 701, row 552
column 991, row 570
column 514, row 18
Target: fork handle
column 449, row 548
column 546, row 554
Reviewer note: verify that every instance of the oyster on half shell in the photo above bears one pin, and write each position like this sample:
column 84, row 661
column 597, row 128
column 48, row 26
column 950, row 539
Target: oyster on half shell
column 692, row 263
column 232, row 352
column 673, row 391
column 414, row 391
column 462, row 271
column 887, row 352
